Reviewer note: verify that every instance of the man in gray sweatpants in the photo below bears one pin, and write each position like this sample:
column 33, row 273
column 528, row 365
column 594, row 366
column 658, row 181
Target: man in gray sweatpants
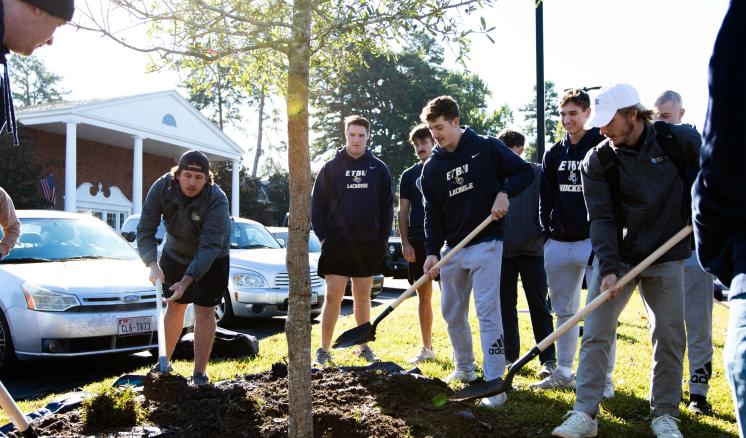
column 698, row 293
column 468, row 178
column 636, row 200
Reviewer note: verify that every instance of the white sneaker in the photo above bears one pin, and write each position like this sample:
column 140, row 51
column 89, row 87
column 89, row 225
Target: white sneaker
column 426, row 354
column 665, row 427
column 556, row 380
column 609, row 388
column 577, row 424
column 495, row 401
column 462, row 376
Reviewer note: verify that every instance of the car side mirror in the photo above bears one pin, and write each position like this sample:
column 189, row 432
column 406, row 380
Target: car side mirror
column 129, row 236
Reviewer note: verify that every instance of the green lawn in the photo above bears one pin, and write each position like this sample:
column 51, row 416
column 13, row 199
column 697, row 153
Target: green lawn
column 625, row 415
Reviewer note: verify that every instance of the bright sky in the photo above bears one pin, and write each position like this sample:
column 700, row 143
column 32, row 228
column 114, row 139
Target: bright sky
column 652, row 44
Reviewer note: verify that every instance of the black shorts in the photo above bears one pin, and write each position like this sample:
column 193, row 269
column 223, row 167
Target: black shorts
column 352, row 259
column 415, row 269
column 207, row 291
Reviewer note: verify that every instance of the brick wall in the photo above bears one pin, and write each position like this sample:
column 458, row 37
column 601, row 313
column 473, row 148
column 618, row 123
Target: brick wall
column 96, row 163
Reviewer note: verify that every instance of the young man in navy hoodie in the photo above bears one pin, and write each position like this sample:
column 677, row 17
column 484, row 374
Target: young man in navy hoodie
column 468, row 178
column 564, row 221
column 412, row 229
column 352, row 212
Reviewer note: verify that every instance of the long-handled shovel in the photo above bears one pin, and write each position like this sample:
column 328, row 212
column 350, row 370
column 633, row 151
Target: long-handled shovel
column 16, row 416
column 162, row 359
column 367, row 332
column 499, row 385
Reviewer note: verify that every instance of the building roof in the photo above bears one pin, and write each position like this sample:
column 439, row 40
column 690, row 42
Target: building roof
column 168, row 124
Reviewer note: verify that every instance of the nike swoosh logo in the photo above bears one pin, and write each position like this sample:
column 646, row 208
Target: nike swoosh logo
column 372, row 167
column 475, row 155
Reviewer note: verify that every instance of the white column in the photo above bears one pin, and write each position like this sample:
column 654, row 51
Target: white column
column 71, row 185
column 137, row 176
column 235, row 188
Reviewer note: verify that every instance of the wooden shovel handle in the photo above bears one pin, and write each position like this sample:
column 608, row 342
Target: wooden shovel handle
column 629, row 276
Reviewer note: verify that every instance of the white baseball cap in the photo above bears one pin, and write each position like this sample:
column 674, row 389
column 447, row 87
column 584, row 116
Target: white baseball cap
column 610, row 99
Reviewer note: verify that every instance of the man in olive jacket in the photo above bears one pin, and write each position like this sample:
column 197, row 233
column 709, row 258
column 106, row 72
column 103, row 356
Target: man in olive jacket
column 628, row 221
column 194, row 265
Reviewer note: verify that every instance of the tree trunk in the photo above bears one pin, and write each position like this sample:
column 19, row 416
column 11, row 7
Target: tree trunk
column 259, row 135
column 298, row 323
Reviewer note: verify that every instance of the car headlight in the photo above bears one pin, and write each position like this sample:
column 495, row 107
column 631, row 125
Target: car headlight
column 249, row 279
column 38, row 298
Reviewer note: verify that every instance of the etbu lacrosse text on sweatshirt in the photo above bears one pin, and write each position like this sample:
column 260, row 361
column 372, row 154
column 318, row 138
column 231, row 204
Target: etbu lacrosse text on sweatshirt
column 352, row 200
column 460, row 188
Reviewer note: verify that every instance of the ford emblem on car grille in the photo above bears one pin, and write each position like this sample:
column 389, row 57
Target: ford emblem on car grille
column 130, row 298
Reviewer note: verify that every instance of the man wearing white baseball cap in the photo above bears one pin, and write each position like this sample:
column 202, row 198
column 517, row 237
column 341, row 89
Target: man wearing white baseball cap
column 637, row 198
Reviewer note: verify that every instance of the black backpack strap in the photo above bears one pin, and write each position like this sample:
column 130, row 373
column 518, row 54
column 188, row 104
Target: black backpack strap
column 675, row 153
column 607, row 158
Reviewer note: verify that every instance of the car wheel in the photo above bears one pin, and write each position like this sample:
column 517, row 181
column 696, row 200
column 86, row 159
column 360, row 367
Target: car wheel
column 224, row 311
column 7, row 352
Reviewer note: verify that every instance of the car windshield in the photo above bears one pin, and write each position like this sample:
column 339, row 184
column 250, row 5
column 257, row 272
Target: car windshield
column 251, row 236
column 56, row 239
column 129, row 230
column 313, row 242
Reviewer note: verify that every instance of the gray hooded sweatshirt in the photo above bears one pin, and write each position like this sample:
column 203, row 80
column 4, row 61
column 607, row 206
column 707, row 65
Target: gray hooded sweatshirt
column 652, row 197
column 198, row 230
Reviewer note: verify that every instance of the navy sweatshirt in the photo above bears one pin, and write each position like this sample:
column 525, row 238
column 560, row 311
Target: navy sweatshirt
column 409, row 188
column 562, row 210
column 460, row 188
column 352, row 199
column 719, row 193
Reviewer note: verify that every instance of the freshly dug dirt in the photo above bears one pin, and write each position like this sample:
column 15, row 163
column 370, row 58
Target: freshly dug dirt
column 347, row 403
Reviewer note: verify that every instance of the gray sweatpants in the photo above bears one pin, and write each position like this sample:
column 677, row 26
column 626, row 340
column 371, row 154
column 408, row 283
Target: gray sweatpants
column 662, row 289
column 566, row 263
column 698, row 319
column 478, row 267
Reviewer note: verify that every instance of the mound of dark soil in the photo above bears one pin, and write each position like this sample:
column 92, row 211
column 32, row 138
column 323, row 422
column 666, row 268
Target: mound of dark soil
column 347, row 403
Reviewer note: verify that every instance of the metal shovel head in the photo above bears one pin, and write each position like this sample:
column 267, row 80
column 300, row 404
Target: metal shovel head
column 480, row 390
column 359, row 335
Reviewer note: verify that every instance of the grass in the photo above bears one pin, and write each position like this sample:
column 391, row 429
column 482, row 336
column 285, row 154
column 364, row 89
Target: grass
column 626, row 415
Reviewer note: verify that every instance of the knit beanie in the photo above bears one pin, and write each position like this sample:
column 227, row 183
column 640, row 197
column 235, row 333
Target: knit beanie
column 59, row 8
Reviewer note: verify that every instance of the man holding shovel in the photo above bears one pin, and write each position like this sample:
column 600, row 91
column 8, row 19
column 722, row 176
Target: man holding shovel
column 636, row 199
column 464, row 181
column 412, row 229
column 195, row 260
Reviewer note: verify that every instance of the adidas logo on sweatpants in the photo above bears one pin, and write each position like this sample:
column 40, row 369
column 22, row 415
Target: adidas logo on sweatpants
column 498, row 347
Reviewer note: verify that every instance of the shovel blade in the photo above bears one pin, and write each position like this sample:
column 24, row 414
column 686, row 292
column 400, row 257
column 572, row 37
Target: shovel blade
column 480, row 390
column 359, row 335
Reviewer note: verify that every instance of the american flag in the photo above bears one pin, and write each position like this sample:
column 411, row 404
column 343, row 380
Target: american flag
column 47, row 188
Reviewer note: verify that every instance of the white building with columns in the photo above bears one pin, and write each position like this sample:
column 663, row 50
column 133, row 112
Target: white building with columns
column 105, row 153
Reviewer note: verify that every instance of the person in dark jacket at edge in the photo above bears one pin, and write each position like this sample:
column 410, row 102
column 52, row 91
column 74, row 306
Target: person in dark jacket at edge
column 698, row 292
column 352, row 209
column 523, row 254
column 26, row 25
column 567, row 244
column 719, row 192
column 194, row 264
column 468, row 178
column 650, row 207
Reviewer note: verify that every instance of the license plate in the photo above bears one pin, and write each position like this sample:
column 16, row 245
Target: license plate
column 134, row 326
column 314, row 297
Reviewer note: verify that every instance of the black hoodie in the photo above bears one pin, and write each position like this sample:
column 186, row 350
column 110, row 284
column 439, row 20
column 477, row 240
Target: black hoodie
column 460, row 188
column 562, row 209
column 352, row 200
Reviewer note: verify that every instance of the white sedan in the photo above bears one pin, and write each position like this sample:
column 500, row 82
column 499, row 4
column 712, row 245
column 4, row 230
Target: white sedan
column 73, row 287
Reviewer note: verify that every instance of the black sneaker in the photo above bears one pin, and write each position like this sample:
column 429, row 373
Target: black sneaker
column 698, row 405
column 199, row 380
